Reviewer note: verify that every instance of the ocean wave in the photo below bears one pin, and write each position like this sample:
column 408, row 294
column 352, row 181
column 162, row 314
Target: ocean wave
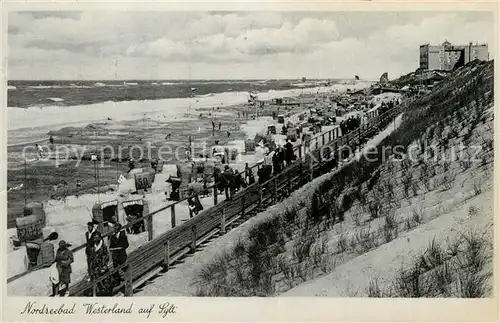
column 99, row 84
column 131, row 83
column 305, row 84
column 204, row 95
column 11, row 87
column 55, row 99
column 167, row 83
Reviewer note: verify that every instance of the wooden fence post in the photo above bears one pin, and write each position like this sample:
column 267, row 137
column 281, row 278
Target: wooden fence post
column 316, row 139
column 301, row 172
column 335, row 153
column 300, row 151
column 275, row 197
column 129, row 288
column 243, row 206
column 330, row 136
column 311, row 168
column 215, row 194
column 150, row 228
column 94, row 290
column 193, row 239
column 166, row 255
column 289, row 183
column 172, row 215
column 260, row 197
column 223, row 222
column 323, row 139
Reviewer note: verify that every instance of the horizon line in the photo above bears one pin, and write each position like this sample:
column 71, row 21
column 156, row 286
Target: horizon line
column 194, row 80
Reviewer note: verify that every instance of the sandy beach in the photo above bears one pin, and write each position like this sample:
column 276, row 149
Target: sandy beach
column 69, row 215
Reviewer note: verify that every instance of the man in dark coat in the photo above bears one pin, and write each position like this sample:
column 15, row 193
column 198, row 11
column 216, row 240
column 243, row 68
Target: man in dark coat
column 227, row 178
column 289, row 152
column 219, row 181
column 342, row 127
column 234, row 186
column 118, row 244
column 89, row 239
column 249, row 177
column 276, row 162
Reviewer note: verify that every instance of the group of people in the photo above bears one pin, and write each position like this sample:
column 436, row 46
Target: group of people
column 98, row 258
column 98, row 255
column 230, row 181
column 282, row 157
column 350, row 124
column 384, row 107
column 213, row 127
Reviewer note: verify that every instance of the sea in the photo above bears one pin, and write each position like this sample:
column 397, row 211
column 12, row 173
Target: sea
column 28, row 94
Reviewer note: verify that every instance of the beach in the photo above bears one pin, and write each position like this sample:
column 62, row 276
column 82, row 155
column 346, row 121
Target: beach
column 69, row 211
column 120, row 125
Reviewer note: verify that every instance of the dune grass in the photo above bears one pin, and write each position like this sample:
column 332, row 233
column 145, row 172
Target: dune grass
column 290, row 244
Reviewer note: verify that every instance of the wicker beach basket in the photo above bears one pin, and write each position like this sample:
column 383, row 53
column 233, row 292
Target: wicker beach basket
column 37, row 209
column 30, row 227
column 250, row 146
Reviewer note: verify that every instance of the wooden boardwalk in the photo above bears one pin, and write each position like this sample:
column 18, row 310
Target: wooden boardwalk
column 161, row 252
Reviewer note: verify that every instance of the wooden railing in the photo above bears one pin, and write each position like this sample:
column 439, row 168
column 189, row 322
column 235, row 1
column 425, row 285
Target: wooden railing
column 160, row 252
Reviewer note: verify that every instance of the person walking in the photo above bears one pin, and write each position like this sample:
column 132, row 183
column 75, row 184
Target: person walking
column 235, row 183
column 118, row 244
column 289, row 156
column 227, row 177
column 64, row 259
column 99, row 266
column 249, row 176
column 89, row 239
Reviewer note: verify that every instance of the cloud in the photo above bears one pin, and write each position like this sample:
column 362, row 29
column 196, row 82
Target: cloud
column 215, row 44
column 231, row 44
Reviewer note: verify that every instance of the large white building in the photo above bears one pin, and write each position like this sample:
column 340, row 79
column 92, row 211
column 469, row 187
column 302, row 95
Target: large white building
column 446, row 56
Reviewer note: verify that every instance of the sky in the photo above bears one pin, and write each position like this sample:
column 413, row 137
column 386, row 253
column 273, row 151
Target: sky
column 104, row 45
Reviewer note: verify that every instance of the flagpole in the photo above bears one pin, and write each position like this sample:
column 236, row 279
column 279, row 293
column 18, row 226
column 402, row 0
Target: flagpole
column 24, row 184
column 98, row 185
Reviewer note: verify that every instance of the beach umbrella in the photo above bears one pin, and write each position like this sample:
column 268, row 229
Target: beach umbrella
column 53, row 236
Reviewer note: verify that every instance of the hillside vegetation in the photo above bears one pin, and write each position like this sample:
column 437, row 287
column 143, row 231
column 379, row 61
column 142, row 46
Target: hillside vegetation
column 442, row 151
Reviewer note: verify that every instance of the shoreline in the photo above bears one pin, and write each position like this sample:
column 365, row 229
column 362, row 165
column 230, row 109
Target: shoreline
column 134, row 109
column 41, row 189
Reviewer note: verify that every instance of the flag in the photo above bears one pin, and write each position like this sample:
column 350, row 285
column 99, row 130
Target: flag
column 121, row 179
